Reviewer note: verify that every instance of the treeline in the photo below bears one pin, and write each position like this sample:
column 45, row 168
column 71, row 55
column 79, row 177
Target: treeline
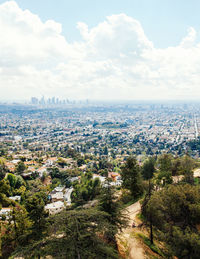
column 74, row 233
column 169, row 193
column 171, row 205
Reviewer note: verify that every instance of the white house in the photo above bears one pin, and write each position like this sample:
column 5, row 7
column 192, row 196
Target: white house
column 5, row 212
column 55, row 207
column 59, row 189
column 15, row 198
column 57, row 196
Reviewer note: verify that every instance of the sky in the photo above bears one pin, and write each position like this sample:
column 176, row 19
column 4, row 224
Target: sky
column 101, row 50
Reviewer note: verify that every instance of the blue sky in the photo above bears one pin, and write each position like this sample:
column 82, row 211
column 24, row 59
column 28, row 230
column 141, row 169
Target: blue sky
column 98, row 49
column 165, row 22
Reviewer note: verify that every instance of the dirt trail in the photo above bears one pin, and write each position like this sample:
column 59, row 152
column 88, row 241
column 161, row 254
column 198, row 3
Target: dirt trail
column 129, row 246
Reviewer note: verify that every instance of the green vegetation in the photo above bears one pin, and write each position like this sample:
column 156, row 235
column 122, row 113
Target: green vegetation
column 85, row 190
column 175, row 212
column 81, row 236
column 87, row 226
column 115, row 217
column 20, row 168
column 131, row 177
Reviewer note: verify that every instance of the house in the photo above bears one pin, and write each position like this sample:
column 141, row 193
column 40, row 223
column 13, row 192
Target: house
column 5, row 213
column 27, row 175
column 115, row 184
column 30, row 163
column 101, row 178
column 51, row 161
column 113, row 175
column 73, row 179
column 57, row 196
column 59, row 189
column 118, row 183
column 42, row 170
column 31, row 169
column 10, row 166
column 55, row 207
column 15, row 198
column 15, row 161
column 197, row 173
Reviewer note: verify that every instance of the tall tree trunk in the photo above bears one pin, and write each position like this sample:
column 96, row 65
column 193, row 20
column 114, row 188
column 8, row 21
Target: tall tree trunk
column 149, row 188
column 151, row 230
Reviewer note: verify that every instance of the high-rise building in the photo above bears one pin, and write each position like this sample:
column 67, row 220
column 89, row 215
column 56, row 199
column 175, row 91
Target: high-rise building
column 42, row 101
column 34, row 100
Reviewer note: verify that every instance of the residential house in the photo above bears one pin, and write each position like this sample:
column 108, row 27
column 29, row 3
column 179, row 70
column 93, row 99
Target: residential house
column 5, row 212
column 55, row 207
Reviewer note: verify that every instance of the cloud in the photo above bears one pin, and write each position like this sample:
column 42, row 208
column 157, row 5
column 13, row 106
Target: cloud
column 113, row 60
column 118, row 36
column 189, row 40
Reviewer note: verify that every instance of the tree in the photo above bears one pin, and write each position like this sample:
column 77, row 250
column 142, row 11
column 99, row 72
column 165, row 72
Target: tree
column 187, row 166
column 105, row 150
column 131, row 177
column 71, row 153
column 115, row 217
column 81, row 234
column 175, row 212
column 3, row 168
column 4, row 192
column 16, row 181
column 148, row 168
column 54, row 172
column 12, row 180
column 80, row 161
column 82, row 228
column 61, row 162
column 165, row 163
column 163, row 178
column 35, row 207
column 85, row 190
column 176, row 166
column 16, row 229
column 20, row 168
column 22, row 224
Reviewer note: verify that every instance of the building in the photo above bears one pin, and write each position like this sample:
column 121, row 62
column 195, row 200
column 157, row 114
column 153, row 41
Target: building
column 5, row 213
column 15, row 198
column 55, row 207
column 57, row 196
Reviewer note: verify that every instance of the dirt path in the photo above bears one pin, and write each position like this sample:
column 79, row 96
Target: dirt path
column 132, row 211
column 129, row 246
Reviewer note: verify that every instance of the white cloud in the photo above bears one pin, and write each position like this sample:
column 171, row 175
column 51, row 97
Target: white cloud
column 118, row 36
column 189, row 40
column 114, row 60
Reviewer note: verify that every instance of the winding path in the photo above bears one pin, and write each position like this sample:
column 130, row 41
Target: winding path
column 128, row 245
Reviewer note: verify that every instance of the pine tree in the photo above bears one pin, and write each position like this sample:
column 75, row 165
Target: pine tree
column 131, row 177
column 115, row 217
